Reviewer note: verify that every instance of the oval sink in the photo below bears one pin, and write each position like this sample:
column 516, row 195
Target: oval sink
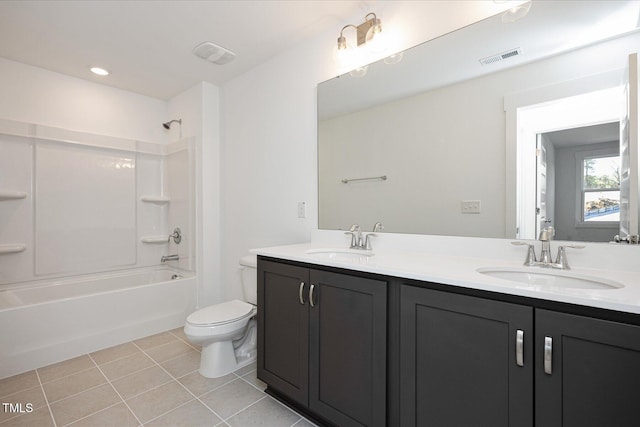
column 540, row 278
column 342, row 255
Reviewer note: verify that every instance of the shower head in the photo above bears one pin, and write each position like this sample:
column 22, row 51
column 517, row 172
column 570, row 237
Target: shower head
column 167, row 125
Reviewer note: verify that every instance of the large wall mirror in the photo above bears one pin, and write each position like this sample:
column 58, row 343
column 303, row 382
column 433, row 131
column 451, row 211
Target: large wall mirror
column 498, row 129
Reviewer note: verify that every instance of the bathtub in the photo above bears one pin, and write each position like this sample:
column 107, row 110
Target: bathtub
column 46, row 322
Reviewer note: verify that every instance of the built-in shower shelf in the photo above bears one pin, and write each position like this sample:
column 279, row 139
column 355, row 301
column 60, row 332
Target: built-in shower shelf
column 155, row 199
column 12, row 249
column 12, row 195
column 154, row 239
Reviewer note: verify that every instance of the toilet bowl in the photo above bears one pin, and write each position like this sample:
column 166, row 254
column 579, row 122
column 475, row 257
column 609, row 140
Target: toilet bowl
column 227, row 331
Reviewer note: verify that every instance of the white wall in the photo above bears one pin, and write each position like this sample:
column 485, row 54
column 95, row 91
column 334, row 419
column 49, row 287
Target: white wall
column 269, row 129
column 34, row 95
column 199, row 110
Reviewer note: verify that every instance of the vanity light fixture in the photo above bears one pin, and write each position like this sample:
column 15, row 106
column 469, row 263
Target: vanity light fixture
column 516, row 13
column 367, row 32
column 99, row 71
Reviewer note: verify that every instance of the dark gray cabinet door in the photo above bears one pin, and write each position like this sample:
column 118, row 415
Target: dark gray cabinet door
column 592, row 371
column 459, row 360
column 283, row 329
column 348, row 349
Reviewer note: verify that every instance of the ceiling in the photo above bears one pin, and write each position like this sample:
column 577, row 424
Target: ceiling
column 147, row 45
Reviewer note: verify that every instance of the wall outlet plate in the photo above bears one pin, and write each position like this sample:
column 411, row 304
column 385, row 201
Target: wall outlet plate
column 302, row 209
column 471, row 206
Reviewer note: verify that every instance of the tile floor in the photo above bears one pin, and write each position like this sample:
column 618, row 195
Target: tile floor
column 152, row 381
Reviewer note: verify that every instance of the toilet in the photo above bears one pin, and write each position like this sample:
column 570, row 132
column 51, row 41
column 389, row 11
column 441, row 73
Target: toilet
column 227, row 331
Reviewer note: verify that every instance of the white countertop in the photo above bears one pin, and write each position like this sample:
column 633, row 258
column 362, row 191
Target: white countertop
column 449, row 268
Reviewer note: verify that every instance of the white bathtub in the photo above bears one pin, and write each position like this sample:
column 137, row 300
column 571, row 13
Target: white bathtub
column 43, row 323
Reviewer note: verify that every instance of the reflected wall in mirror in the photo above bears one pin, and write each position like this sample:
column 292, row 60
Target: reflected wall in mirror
column 443, row 128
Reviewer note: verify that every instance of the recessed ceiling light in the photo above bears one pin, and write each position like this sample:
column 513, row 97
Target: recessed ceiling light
column 99, row 71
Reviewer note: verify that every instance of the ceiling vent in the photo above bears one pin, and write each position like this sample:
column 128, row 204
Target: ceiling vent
column 213, row 53
column 501, row 56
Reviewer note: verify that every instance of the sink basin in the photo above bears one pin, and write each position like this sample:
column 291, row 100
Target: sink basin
column 342, row 255
column 543, row 278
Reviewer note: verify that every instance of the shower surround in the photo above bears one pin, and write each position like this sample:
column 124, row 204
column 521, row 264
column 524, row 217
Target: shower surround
column 75, row 205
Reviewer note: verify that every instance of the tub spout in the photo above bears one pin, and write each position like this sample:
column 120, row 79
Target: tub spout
column 166, row 258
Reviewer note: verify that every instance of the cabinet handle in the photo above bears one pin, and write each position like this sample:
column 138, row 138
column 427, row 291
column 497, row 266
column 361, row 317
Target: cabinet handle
column 520, row 347
column 311, row 295
column 548, row 351
column 300, row 293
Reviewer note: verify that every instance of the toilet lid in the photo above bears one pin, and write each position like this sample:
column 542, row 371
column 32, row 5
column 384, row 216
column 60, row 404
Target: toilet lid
column 218, row 314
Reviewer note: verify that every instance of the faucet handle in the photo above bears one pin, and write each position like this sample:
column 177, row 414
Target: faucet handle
column 561, row 258
column 353, row 238
column 378, row 227
column 531, row 253
column 367, row 241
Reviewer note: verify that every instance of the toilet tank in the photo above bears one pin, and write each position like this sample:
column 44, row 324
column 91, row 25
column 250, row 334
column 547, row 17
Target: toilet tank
column 249, row 271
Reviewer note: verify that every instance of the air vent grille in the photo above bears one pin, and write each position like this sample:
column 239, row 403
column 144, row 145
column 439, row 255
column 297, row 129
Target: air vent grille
column 501, row 56
column 213, row 53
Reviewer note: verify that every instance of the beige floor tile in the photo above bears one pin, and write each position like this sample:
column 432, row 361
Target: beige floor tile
column 81, row 405
column 67, row 367
column 158, row 401
column 179, row 333
column 32, row 396
column 183, row 365
column 246, row 369
column 155, row 340
column 73, row 384
column 115, row 416
column 252, row 379
column 140, row 381
column 18, row 382
column 266, row 412
column 192, row 414
column 38, row 418
column 304, row 423
column 126, row 366
column 169, row 351
column 114, row 353
column 199, row 385
column 231, row 398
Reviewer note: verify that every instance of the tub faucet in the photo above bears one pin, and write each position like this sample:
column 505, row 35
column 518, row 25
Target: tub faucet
column 166, row 258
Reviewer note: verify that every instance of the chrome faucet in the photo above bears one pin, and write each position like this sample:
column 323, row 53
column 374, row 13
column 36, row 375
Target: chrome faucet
column 545, row 237
column 166, row 258
column 360, row 240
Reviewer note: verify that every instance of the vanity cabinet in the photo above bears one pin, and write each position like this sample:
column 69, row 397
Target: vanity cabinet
column 464, row 361
column 322, row 342
column 358, row 349
column 587, row 371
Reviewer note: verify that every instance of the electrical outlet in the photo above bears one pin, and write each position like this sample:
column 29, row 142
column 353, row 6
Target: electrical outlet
column 302, row 209
column 471, row 206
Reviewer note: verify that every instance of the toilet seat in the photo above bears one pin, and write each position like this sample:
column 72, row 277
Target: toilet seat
column 221, row 314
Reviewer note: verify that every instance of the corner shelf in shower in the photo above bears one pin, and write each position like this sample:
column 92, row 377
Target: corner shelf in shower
column 12, row 195
column 154, row 239
column 12, row 248
column 155, row 199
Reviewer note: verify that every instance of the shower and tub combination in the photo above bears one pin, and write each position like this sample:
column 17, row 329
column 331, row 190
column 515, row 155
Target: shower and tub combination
column 85, row 221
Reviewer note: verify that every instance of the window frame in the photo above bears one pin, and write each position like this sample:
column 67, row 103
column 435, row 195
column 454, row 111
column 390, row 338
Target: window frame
column 581, row 156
